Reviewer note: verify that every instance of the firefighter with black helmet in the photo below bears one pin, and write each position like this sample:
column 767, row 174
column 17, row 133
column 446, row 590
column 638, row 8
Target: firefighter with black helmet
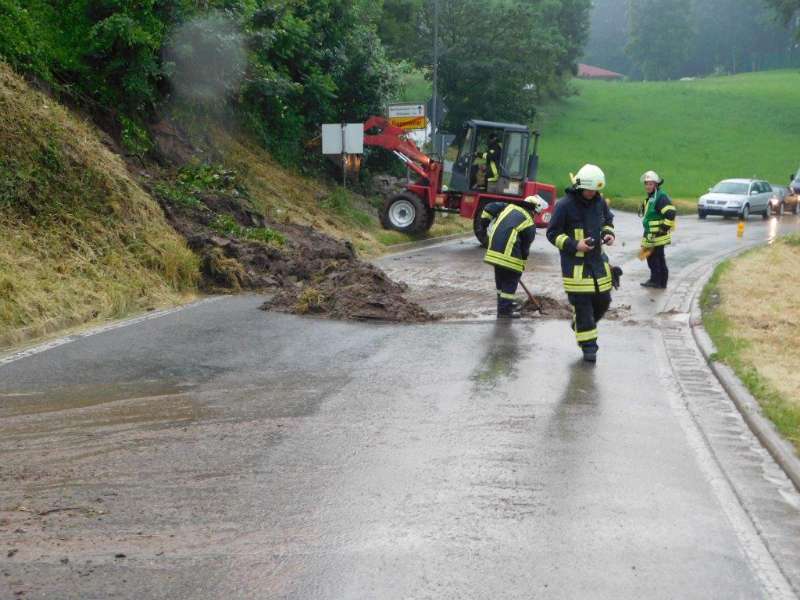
column 511, row 232
column 581, row 224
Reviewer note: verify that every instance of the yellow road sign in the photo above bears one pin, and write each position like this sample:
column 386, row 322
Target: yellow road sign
column 409, row 123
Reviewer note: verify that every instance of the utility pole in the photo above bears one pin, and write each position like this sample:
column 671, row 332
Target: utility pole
column 435, row 99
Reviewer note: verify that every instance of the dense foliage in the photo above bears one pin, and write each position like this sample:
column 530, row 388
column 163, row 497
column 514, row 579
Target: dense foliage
column 281, row 67
column 497, row 60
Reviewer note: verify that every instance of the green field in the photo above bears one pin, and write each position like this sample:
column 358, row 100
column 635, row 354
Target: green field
column 693, row 133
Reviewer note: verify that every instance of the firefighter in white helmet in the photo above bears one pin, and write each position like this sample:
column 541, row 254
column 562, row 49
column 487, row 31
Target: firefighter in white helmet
column 581, row 224
column 658, row 219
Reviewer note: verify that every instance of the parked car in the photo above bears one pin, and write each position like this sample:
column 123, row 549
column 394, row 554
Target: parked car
column 794, row 183
column 736, row 198
column 783, row 200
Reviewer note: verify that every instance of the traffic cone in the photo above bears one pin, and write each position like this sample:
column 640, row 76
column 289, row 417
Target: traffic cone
column 740, row 228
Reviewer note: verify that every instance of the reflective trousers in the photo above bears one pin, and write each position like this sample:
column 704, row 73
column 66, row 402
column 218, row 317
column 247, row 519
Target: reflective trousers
column 506, row 282
column 657, row 262
column 588, row 309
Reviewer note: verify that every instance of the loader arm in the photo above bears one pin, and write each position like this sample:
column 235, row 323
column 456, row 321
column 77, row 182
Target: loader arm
column 388, row 136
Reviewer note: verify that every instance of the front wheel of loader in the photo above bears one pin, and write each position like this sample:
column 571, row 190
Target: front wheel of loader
column 481, row 233
column 406, row 213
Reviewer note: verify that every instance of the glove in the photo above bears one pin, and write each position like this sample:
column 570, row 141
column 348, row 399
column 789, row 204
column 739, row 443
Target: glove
column 616, row 277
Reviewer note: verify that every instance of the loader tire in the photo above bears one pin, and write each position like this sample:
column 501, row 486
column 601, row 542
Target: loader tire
column 406, row 213
column 478, row 229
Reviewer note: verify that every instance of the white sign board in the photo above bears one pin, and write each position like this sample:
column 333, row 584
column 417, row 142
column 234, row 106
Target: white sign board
column 406, row 109
column 342, row 139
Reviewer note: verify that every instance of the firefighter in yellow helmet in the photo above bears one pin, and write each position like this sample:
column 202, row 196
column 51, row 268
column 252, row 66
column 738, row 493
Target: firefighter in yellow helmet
column 658, row 219
column 511, row 232
column 581, row 224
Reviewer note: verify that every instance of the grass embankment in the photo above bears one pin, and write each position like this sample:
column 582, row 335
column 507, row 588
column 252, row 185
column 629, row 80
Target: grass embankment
column 750, row 312
column 285, row 196
column 693, row 133
column 79, row 239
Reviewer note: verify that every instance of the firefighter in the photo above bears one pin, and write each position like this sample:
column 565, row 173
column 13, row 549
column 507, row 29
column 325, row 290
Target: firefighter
column 581, row 224
column 511, row 232
column 658, row 220
column 493, row 154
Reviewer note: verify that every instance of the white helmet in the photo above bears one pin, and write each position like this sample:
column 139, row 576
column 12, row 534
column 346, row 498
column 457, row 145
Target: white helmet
column 539, row 203
column 589, row 177
column 652, row 176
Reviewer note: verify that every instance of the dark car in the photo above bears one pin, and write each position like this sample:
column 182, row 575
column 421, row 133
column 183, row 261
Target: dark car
column 782, row 200
column 794, row 183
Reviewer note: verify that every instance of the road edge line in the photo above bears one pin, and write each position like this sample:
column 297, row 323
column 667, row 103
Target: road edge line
column 14, row 356
column 764, row 430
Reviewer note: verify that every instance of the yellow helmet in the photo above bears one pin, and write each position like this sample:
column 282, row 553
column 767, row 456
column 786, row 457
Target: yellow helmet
column 589, row 177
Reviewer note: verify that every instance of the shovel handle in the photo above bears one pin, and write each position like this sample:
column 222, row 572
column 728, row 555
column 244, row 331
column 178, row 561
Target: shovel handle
column 533, row 300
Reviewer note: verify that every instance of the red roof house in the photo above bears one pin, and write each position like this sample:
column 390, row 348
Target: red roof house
column 590, row 72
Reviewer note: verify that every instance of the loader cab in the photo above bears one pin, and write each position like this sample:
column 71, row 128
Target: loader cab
column 472, row 172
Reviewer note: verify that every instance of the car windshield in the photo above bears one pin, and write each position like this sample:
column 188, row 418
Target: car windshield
column 730, row 187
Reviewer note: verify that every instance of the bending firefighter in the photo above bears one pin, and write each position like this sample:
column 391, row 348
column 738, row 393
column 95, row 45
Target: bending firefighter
column 581, row 224
column 658, row 221
column 511, row 233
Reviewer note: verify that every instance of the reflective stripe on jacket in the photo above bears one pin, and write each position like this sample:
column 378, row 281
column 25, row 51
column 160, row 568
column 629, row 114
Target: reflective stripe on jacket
column 658, row 221
column 575, row 219
column 511, row 234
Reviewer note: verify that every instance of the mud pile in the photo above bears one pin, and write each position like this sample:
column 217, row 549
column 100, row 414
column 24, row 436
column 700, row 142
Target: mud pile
column 240, row 249
column 547, row 308
column 349, row 289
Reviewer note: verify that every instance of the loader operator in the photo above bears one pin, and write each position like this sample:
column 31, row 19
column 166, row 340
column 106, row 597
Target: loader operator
column 511, row 232
column 659, row 221
column 581, row 224
column 493, row 154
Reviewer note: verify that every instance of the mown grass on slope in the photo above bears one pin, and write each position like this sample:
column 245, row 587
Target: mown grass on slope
column 750, row 312
column 79, row 239
column 693, row 133
column 284, row 196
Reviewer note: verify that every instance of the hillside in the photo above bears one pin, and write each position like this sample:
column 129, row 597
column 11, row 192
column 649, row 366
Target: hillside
column 79, row 238
column 86, row 236
column 693, row 133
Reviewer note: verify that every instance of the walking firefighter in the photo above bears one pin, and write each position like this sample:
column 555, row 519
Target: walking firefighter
column 581, row 224
column 511, row 232
column 658, row 221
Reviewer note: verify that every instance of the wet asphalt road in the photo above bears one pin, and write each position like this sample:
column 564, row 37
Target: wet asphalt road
column 223, row 452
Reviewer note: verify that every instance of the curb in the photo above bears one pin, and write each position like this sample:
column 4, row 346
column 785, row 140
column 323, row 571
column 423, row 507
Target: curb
column 781, row 451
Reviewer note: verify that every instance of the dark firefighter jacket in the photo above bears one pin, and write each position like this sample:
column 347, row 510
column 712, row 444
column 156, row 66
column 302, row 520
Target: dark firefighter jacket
column 658, row 221
column 574, row 219
column 492, row 155
column 511, row 234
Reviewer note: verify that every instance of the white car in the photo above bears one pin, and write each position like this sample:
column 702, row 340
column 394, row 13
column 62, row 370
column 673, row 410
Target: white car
column 736, row 198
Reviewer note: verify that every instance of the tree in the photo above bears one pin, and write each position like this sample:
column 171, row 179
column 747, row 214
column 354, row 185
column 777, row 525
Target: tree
column 498, row 60
column 660, row 37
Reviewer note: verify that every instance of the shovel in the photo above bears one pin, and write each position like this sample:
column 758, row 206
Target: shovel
column 533, row 300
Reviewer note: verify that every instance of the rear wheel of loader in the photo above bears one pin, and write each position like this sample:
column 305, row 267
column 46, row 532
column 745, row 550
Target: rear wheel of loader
column 481, row 234
column 406, row 213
